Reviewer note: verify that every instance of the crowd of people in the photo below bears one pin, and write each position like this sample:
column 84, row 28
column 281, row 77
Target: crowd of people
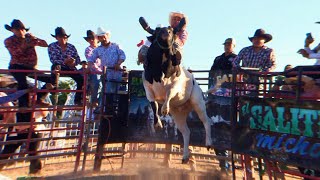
column 64, row 56
column 257, row 56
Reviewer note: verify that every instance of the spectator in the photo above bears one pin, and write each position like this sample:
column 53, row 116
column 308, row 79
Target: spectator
column 307, row 52
column 258, row 55
column 21, row 47
column 111, row 56
column 224, row 61
column 311, row 54
column 280, row 81
column 94, row 84
column 220, row 97
column 65, row 55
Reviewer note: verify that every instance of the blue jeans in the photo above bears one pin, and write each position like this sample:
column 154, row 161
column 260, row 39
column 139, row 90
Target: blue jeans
column 94, row 87
column 112, row 85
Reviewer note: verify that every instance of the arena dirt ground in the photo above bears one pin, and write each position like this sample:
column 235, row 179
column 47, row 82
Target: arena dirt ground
column 134, row 169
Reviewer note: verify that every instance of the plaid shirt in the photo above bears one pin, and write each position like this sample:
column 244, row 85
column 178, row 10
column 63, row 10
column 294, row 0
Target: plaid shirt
column 20, row 55
column 57, row 56
column 264, row 59
column 109, row 57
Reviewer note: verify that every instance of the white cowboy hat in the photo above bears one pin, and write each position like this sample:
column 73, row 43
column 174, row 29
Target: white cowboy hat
column 176, row 13
column 101, row 31
column 179, row 14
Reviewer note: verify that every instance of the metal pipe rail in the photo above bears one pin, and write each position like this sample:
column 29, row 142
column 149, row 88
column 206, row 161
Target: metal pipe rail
column 78, row 139
column 91, row 138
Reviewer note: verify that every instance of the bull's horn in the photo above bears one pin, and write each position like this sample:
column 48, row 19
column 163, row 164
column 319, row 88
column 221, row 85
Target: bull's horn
column 180, row 25
column 145, row 25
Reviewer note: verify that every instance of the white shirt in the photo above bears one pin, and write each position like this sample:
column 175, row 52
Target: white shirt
column 313, row 54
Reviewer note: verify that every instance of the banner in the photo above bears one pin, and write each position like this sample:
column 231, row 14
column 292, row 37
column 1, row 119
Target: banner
column 280, row 130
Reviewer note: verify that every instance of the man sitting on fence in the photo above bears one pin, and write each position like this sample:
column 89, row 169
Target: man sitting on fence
column 65, row 55
column 21, row 47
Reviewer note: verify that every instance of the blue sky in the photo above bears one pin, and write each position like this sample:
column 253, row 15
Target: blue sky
column 210, row 23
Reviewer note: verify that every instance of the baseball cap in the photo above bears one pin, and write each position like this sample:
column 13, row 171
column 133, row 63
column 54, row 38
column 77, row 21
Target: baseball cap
column 229, row 40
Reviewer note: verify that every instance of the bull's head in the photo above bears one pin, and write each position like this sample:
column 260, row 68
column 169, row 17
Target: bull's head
column 163, row 40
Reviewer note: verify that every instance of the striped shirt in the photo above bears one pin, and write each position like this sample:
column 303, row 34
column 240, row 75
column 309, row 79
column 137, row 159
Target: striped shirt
column 264, row 59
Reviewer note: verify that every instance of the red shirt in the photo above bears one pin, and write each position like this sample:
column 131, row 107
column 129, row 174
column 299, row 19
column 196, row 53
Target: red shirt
column 22, row 55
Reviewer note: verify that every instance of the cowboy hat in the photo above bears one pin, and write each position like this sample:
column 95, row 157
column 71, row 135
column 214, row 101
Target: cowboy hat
column 90, row 35
column 16, row 24
column 60, row 32
column 178, row 14
column 101, row 31
column 261, row 33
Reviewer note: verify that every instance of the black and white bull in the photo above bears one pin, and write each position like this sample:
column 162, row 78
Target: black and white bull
column 171, row 85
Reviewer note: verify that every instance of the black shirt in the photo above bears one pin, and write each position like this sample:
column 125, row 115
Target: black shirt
column 223, row 62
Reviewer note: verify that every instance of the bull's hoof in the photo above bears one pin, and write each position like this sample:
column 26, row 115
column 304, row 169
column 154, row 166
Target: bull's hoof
column 158, row 125
column 193, row 167
column 165, row 110
column 185, row 160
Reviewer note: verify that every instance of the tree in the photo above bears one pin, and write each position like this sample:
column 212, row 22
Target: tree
column 62, row 96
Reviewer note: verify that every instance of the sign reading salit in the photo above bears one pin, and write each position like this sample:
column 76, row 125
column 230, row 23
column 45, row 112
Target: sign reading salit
column 281, row 130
